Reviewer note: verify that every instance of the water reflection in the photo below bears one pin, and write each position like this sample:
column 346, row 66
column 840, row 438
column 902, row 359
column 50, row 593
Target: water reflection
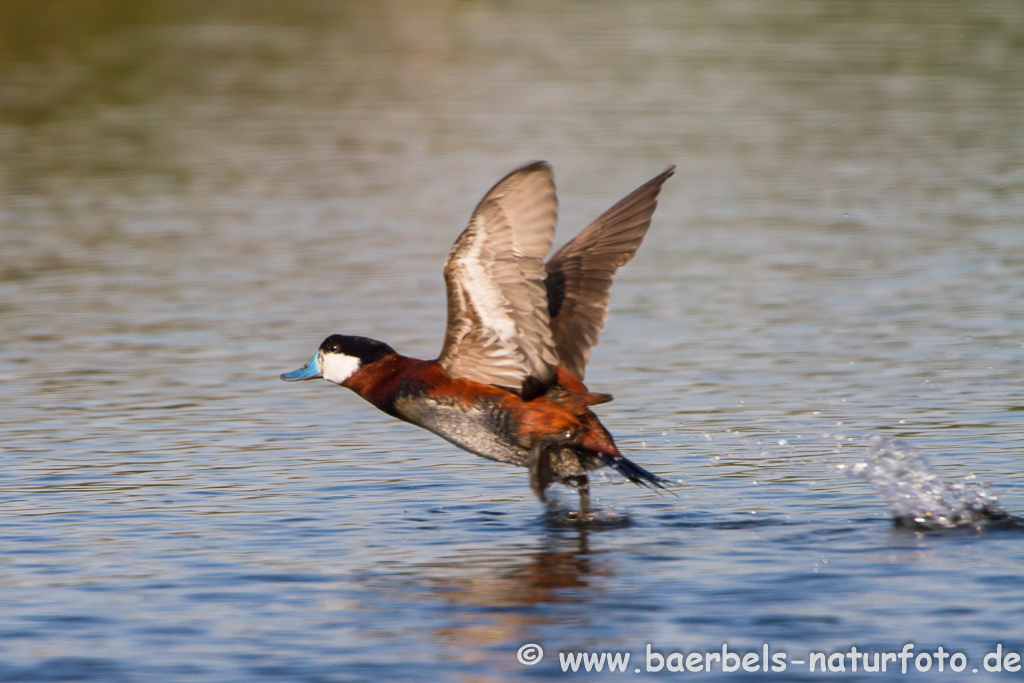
column 499, row 597
column 537, row 576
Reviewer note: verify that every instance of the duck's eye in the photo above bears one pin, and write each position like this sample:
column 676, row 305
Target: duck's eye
column 334, row 348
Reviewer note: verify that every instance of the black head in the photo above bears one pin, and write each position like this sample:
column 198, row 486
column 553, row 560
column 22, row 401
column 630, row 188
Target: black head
column 339, row 357
column 365, row 349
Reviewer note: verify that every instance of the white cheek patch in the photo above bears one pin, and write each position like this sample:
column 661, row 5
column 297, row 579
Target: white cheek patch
column 337, row 367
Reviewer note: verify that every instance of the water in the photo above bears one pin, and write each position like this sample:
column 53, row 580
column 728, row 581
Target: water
column 192, row 198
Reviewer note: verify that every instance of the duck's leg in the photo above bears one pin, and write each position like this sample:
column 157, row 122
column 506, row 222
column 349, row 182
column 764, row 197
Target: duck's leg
column 541, row 472
column 583, row 488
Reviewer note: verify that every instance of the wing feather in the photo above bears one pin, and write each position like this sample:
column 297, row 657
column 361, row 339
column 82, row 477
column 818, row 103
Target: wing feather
column 498, row 328
column 579, row 276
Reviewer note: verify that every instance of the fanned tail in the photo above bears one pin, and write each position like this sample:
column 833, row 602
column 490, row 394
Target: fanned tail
column 633, row 472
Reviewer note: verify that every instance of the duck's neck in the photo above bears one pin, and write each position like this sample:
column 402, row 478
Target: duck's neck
column 382, row 381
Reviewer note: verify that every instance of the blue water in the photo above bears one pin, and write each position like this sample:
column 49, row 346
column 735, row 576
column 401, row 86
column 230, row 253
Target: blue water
column 191, row 199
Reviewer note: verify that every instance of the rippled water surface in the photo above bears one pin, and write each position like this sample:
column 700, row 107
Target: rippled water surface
column 192, row 198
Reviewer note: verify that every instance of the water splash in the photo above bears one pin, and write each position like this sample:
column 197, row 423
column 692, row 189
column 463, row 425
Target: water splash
column 917, row 495
column 560, row 511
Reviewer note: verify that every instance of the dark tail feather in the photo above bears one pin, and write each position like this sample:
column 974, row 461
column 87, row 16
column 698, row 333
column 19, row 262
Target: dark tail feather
column 633, row 472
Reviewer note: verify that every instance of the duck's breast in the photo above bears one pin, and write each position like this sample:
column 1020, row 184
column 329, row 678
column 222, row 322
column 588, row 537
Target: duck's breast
column 483, row 427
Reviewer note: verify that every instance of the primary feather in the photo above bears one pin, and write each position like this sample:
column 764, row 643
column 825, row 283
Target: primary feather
column 579, row 276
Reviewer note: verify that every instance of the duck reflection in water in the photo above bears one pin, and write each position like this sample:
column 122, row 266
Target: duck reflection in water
column 498, row 598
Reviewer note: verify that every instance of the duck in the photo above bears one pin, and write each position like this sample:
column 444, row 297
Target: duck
column 508, row 383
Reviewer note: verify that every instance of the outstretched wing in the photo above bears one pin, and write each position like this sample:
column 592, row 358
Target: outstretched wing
column 498, row 327
column 579, row 276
